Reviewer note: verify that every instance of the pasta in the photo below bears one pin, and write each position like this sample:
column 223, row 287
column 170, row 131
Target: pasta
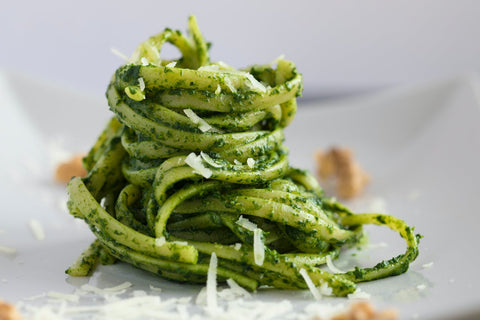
column 192, row 164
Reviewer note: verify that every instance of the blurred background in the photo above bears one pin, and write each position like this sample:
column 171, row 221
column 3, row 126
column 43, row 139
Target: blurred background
column 341, row 47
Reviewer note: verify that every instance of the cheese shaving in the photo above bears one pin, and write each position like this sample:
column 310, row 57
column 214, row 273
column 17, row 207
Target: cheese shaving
column 325, row 290
column 218, row 90
column 238, row 290
column 212, row 67
column 37, row 229
column 171, row 64
column 237, row 246
column 119, row 54
column 144, row 61
column 202, row 124
column 212, row 284
column 332, row 267
column 258, row 247
column 255, row 84
column 201, row 297
column 195, row 162
column 117, row 289
column 63, row 296
column 229, row 85
column 238, row 163
column 141, row 83
column 250, row 162
column 311, row 286
column 156, row 289
column 182, row 243
column 247, row 224
column 160, row 241
column 209, row 160
column 7, row 250
column 359, row 294
column 139, row 293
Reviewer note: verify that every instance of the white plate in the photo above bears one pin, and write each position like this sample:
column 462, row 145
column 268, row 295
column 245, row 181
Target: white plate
column 421, row 146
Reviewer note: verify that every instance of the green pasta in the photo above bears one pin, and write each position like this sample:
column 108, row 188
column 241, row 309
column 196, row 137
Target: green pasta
column 193, row 163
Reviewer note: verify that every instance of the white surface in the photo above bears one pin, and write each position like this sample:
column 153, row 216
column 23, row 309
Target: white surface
column 338, row 45
column 421, row 146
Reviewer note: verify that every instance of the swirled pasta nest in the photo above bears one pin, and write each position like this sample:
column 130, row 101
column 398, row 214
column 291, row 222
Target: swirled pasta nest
column 193, row 163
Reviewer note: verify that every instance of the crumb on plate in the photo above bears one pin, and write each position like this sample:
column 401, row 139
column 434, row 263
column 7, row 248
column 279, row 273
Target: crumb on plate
column 73, row 167
column 338, row 166
column 8, row 312
column 365, row 311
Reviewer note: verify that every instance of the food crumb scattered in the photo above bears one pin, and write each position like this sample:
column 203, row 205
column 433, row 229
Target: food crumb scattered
column 71, row 168
column 338, row 167
column 365, row 311
column 8, row 312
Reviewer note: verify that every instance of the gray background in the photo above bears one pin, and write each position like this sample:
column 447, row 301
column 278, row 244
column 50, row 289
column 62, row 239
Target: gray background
column 341, row 47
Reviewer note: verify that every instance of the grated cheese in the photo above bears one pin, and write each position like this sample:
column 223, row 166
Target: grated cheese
column 184, row 300
column 195, row 162
column 359, row 294
column 427, row 265
column 156, row 289
column 139, row 293
column 229, row 85
column 258, row 247
column 311, row 286
column 212, row 67
column 117, row 289
column 63, row 296
column 237, row 246
column 141, row 83
column 237, row 290
column 332, row 267
column 201, row 297
column 238, row 163
column 7, row 250
column 144, row 61
column 119, row 54
column 183, row 243
column 325, row 290
column 250, row 162
column 247, row 224
column 202, row 124
column 421, row 287
column 160, row 241
column 237, row 304
column 255, row 84
column 209, row 160
column 219, row 90
column 212, row 284
column 171, row 64
column 37, row 229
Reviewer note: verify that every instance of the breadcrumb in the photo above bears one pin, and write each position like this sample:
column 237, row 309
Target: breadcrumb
column 8, row 312
column 70, row 168
column 338, row 164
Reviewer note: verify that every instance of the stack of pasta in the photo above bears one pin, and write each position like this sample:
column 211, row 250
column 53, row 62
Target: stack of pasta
column 192, row 164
